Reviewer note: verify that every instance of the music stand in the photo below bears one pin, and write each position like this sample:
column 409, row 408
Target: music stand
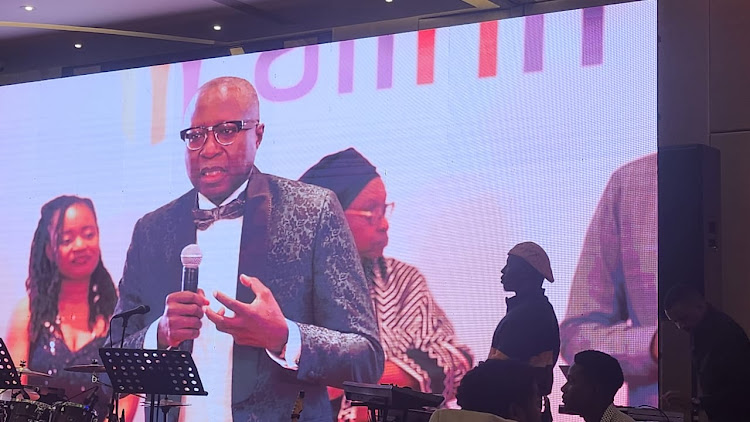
column 9, row 378
column 152, row 372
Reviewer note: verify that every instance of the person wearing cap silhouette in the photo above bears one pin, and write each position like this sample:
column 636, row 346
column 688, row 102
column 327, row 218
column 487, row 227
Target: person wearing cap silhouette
column 529, row 331
column 418, row 339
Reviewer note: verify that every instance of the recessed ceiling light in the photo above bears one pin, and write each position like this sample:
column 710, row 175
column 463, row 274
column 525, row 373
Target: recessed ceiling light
column 217, row 27
column 389, row 1
column 28, row 8
column 78, row 45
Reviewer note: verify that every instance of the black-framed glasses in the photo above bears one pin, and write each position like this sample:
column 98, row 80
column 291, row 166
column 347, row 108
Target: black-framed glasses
column 376, row 214
column 225, row 133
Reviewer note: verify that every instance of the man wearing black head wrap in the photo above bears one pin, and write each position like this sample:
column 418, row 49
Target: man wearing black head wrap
column 425, row 357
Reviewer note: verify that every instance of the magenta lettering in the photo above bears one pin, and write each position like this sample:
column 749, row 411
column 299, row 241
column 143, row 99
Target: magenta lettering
column 307, row 82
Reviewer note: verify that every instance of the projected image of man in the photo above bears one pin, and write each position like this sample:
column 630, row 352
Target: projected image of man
column 420, row 346
column 612, row 304
column 283, row 304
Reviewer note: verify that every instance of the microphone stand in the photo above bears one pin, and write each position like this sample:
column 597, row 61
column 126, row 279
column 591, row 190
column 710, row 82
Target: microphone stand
column 125, row 319
column 115, row 405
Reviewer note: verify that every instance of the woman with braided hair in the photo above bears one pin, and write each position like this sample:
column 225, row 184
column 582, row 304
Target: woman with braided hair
column 71, row 297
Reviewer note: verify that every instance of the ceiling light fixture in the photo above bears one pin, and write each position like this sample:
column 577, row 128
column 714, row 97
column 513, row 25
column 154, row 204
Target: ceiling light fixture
column 217, row 27
column 28, row 8
column 78, row 45
column 389, row 1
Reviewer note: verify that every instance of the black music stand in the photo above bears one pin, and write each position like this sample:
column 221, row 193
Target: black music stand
column 9, row 378
column 152, row 372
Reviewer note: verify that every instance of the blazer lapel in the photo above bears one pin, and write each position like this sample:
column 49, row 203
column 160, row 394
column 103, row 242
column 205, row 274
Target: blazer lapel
column 178, row 235
column 253, row 262
column 165, row 244
column 185, row 233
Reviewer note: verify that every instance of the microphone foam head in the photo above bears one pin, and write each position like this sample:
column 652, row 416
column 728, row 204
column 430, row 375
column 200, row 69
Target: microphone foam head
column 191, row 256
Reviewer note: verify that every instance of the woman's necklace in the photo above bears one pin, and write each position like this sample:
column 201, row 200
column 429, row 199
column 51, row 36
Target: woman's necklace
column 68, row 317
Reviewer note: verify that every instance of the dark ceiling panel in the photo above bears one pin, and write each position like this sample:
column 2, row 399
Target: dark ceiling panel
column 254, row 24
column 338, row 12
column 241, row 22
column 252, row 11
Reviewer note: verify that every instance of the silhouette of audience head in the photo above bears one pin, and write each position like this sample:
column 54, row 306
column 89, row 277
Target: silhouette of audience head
column 592, row 382
column 685, row 306
column 504, row 388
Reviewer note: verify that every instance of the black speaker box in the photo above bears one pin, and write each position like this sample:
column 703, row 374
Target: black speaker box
column 689, row 219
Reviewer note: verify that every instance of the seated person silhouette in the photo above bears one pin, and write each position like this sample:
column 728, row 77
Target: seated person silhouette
column 592, row 383
column 496, row 391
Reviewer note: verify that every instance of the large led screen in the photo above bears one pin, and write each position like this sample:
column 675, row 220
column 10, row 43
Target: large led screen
column 540, row 128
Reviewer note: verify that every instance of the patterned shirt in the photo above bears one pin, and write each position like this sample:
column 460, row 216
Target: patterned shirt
column 612, row 414
column 415, row 333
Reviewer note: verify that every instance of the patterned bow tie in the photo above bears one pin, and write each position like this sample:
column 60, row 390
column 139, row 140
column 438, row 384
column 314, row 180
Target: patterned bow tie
column 234, row 209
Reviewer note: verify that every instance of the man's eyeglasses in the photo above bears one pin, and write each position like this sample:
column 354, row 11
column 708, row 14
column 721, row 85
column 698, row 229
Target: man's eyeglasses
column 376, row 214
column 225, row 133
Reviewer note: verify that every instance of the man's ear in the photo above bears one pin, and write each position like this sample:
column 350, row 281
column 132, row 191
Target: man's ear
column 260, row 129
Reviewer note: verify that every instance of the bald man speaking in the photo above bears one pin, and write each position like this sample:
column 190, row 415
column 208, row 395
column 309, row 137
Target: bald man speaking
column 283, row 305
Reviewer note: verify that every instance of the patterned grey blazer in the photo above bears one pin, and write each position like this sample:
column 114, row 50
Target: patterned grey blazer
column 296, row 240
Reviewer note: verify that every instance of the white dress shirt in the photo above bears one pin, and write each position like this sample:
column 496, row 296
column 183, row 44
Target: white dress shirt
column 212, row 350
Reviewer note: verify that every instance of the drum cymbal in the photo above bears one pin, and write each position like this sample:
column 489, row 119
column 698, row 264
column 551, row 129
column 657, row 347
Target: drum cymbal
column 166, row 403
column 89, row 369
column 22, row 370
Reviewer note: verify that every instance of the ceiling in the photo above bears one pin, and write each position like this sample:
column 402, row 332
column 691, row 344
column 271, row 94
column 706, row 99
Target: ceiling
column 120, row 34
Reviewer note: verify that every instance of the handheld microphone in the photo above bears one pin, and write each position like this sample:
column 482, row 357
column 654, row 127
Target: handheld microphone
column 191, row 257
column 143, row 309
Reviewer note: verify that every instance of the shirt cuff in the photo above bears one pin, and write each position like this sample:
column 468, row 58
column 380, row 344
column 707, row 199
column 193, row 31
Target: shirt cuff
column 151, row 341
column 289, row 356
